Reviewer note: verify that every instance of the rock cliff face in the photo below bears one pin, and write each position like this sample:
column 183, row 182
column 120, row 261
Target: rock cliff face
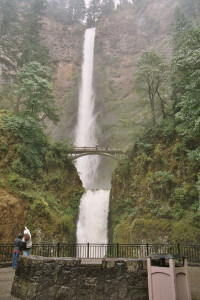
column 120, row 39
column 65, row 50
column 13, row 215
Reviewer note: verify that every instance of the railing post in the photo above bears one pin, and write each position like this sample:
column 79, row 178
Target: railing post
column 117, row 250
column 74, row 250
column 147, row 249
column 88, row 250
column 58, row 250
column 179, row 250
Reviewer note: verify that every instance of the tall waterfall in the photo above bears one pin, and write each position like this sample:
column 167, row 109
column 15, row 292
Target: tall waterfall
column 93, row 211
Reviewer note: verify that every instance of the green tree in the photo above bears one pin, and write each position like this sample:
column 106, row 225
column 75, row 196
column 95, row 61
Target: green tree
column 9, row 38
column 58, row 10
column 140, row 5
column 76, row 10
column 180, row 28
column 186, row 68
column 93, row 12
column 151, row 79
column 20, row 39
column 35, row 92
column 34, row 144
column 107, row 7
column 8, row 16
column 31, row 47
column 192, row 7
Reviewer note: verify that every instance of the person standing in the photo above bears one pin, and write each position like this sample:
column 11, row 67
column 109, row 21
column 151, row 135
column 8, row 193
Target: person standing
column 27, row 239
column 18, row 246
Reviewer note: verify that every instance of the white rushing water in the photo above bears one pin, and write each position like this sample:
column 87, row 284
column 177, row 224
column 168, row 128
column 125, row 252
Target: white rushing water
column 93, row 213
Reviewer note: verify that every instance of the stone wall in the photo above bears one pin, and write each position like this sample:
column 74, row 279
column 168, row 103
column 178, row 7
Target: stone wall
column 72, row 278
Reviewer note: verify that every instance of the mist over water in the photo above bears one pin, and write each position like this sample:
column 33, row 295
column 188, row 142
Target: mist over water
column 93, row 213
column 92, row 225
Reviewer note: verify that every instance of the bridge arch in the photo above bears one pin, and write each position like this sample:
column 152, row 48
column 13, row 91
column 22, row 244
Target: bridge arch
column 76, row 156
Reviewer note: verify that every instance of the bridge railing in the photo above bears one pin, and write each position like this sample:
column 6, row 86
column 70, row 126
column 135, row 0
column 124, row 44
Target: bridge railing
column 95, row 149
column 105, row 250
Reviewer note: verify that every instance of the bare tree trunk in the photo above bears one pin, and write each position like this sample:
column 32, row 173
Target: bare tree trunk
column 162, row 105
column 16, row 110
column 151, row 98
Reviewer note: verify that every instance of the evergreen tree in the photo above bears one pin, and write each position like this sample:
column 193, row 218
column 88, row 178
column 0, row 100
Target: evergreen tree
column 8, row 16
column 107, row 7
column 191, row 7
column 31, row 47
column 58, row 10
column 186, row 68
column 76, row 10
column 39, row 5
column 140, row 5
column 180, row 29
column 9, row 37
column 93, row 12
column 20, row 41
column 180, row 24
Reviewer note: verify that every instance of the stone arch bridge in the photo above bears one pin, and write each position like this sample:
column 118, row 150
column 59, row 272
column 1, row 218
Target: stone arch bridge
column 105, row 151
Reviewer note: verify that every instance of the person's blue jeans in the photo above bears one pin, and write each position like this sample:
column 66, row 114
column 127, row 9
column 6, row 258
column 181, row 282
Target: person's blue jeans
column 15, row 259
column 27, row 252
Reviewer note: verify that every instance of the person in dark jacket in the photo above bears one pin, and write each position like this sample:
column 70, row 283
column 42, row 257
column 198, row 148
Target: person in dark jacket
column 18, row 246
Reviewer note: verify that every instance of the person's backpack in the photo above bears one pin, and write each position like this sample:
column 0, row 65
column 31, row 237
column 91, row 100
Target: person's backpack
column 23, row 246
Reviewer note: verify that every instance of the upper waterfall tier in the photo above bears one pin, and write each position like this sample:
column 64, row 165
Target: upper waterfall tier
column 86, row 125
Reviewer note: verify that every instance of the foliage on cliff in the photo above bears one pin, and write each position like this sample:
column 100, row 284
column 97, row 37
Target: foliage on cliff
column 155, row 189
column 42, row 176
column 155, row 193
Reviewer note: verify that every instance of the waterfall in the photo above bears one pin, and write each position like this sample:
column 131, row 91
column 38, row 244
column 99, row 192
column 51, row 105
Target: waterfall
column 93, row 211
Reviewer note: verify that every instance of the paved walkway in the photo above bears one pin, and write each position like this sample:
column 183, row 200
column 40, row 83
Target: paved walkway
column 7, row 275
column 6, row 280
column 194, row 279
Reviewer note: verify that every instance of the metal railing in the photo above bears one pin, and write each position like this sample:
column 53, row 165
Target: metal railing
column 105, row 250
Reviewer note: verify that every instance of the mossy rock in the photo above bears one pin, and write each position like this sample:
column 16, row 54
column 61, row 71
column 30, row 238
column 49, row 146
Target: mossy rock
column 151, row 230
column 184, row 231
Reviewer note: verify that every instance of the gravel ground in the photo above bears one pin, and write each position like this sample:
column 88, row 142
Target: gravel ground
column 7, row 275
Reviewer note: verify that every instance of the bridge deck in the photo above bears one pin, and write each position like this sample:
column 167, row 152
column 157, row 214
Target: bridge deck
column 79, row 150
